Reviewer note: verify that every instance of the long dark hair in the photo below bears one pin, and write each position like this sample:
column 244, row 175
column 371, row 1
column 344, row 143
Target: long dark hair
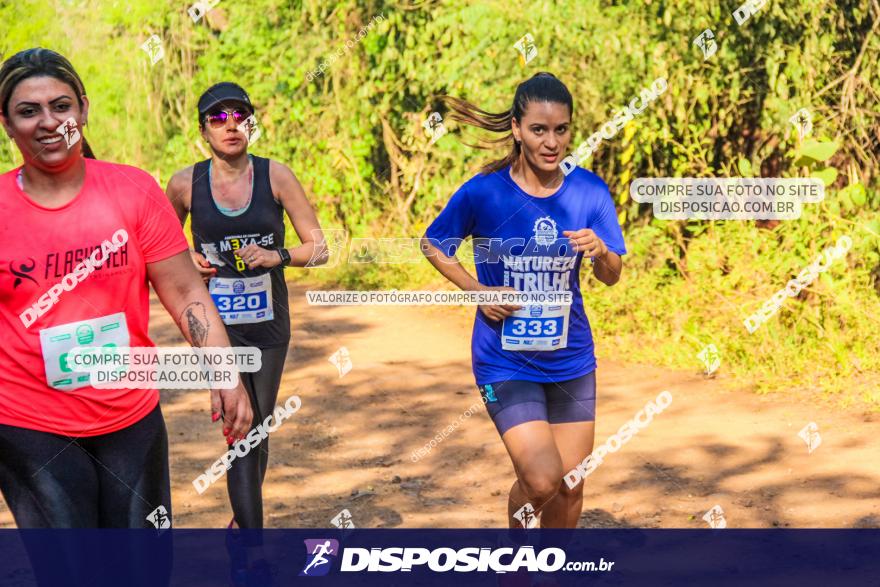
column 40, row 62
column 541, row 87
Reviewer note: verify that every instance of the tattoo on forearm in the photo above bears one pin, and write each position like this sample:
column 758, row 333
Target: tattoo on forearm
column 196, row 323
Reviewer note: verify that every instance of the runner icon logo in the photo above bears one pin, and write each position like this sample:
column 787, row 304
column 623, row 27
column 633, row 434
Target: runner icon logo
column 526, row 516
column 319, row 556
column 715, row 518
column 434, row 127
column 710, row 357
column 810, row 435
column 803, row 122
column 68, row 129
column 153, row 47
column 527, row 49
column 159, row 518
column 545, row 231
column 251, row 129
column 343, row 520
column 706, row 42
column 342, row 360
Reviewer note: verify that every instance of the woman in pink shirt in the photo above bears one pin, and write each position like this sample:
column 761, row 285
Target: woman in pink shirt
column 83, row 239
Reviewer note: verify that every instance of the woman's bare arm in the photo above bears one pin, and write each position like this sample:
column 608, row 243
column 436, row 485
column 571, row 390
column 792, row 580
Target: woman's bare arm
column 187, row 300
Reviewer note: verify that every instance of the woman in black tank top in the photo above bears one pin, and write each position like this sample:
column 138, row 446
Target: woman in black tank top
column 237, row 202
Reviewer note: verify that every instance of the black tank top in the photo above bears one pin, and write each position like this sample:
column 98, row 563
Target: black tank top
column 216, row 235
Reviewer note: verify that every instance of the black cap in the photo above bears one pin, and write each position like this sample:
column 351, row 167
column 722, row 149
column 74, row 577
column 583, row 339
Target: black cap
column 223, row 92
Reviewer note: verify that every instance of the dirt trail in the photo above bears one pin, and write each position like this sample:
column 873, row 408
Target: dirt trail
column 351, row 443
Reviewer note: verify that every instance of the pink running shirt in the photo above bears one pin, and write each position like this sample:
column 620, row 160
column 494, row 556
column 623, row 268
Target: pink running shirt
column 76, row 276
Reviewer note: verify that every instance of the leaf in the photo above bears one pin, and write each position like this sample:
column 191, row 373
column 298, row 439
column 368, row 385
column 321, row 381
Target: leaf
column 745, row 168
column 874, row 227
column 782, row 86
column 843, row 197
column 853, row 195
column 827, row 175
column 857, row 194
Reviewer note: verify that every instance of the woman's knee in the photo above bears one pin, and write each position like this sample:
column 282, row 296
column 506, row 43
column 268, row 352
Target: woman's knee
column 571, row 493
column 541, row 485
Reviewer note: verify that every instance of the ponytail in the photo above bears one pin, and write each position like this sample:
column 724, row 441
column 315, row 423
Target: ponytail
column 541, row 87
column 87, row 150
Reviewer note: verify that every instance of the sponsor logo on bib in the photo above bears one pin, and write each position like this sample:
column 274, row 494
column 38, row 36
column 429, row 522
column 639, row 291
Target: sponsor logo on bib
column 85, row 334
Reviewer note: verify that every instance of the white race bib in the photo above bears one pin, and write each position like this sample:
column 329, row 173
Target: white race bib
column 536, row 328
column 243, row 300
column 56, row 342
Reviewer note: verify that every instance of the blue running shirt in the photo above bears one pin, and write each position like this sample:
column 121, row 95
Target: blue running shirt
column 518, row 243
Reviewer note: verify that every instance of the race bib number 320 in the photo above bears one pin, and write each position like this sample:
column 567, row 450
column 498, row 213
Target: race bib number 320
column 243, row 300
column 536, row 328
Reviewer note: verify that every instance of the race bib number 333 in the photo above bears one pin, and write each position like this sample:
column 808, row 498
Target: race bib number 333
column 536, row 328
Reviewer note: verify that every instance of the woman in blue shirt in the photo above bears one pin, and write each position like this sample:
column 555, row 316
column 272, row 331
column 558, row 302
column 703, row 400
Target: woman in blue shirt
column 531, row 226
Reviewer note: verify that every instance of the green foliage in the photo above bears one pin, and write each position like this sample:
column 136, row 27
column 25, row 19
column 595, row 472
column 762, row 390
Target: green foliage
column 354, row 136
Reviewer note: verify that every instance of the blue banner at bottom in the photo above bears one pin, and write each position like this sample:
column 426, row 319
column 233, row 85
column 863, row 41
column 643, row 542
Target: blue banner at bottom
column 196, row 558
